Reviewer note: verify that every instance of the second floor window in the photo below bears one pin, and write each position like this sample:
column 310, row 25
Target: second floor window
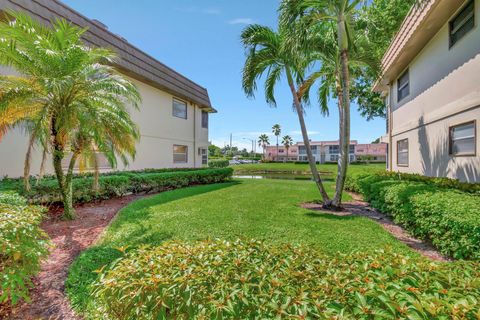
column 205, row 119
column 403, row 86
column 179, row 109
column 463, row 22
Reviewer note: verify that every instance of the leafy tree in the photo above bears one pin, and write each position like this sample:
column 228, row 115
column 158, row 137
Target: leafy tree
column 287, row 142
column 263, row 142
column 276, row 130
column 67, row 97
column 268, row 54
column 214, row 151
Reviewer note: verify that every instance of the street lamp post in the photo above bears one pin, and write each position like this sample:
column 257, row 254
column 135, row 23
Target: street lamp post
column 253, row 146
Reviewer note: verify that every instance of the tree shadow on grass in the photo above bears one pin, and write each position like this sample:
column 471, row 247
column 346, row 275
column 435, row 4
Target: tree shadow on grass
column 84, row 270
column 329, row 216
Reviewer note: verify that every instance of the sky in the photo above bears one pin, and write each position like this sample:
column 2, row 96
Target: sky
column 201, row 40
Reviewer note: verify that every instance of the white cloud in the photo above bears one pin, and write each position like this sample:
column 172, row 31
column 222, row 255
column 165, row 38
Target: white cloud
column 244, row 21
column 212, row 11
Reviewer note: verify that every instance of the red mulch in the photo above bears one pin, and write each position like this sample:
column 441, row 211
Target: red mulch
column 357, row 207
column 69, row 239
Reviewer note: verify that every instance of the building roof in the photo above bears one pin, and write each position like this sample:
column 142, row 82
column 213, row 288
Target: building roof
column 327, row 143
column 421, row 24
column 133, row 62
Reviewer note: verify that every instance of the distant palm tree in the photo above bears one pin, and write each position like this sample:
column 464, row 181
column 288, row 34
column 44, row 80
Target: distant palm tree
column 276, row 130
column 268, row 53
column 287, row 142
column 263, row 141
column 67, row 96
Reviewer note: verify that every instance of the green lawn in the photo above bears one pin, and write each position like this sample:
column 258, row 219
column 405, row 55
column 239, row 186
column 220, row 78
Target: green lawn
column 261, row 209
column 326, row 169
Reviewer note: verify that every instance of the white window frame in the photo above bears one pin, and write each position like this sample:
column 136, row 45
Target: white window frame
column 405, row 85
column 451, row 140
column 451, row 32
column 185, row 154
column 178, row 101
column 406, row 151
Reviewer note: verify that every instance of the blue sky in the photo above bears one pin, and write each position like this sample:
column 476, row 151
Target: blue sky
column 200, row 39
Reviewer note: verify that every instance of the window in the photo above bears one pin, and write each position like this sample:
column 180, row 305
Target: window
column 179, row 109
column 205, row 119
column 351, row 148
column 402, row 152
column 203, row 152
column 180, row 154
column 403, row 86
column 334, row 157
column 462, row 139
column 462, row 23
column 334, row 149
column 281, row 151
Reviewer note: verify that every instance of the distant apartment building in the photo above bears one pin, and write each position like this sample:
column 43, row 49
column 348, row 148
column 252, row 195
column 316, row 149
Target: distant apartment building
column 327, row 152
column 431, row 84
column 173, row 117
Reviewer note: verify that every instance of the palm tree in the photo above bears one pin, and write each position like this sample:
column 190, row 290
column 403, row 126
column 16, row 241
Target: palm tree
column 276, row 130
column 263, row 141
column 267, row 53
column 341, row 14
column 287, row 142
column 67, row 96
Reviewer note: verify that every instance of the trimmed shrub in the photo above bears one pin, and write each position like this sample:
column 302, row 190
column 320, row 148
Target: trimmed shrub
column 220, row 163
column 117, row 185
column 252, row 280
column 23, row 245
column 429, row 208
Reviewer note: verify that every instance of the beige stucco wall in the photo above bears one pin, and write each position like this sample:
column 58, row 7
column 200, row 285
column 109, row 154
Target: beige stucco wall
column 444, row 91
column 159, row 130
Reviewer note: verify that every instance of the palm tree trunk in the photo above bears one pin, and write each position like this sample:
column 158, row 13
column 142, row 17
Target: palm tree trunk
column 306, row 141
column 26, row 167
column 96, row 174
column 277, row 149
column 42, row 165
column 344, row 129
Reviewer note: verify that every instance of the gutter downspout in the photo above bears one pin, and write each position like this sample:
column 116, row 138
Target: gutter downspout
column 390, row 124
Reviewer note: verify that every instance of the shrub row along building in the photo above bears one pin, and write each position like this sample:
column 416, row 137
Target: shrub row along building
column 328, row 152
column 431, row 85
column 173, row 116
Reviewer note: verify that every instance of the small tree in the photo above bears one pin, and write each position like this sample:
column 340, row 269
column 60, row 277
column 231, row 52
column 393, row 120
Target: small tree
column 68, row 97
column 263, row 141
column 276, row 130
column 287, row 142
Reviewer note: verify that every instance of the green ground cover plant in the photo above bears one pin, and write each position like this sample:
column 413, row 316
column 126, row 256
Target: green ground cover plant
column 268, row 210
column 218, row 163
column 442, row 211
column 23, row 245
column 252, row 280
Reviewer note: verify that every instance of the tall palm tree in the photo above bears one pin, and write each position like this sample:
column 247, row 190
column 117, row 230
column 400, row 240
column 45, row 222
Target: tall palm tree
column 67, row 96
column 263, row 142
column 276, row 130
column 268, row 54
column 287, row 142
column 341, row 14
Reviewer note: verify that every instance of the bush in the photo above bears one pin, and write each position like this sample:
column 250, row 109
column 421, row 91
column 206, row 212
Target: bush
column 23, row 245
column 122, row 183
column 429, row 208
column 252, row 280
column 220, row 163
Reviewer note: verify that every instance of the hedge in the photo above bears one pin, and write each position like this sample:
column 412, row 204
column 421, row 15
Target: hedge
column 251, row 280
column 433, row 209
column 122, row 183
column 220, row 163
column 23, row 246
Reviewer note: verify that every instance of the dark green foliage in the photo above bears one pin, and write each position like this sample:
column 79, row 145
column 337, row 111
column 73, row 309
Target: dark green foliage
column 23, row 244
column 252, row 280
column 220, row 163
column 445, row 211
column 121, row 183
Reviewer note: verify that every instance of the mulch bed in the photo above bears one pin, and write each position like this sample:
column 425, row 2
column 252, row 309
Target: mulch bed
column 357, row 207
column 69, row 239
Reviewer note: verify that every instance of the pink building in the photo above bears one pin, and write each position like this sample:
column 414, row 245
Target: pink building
column 271, row 153
column 376, row 152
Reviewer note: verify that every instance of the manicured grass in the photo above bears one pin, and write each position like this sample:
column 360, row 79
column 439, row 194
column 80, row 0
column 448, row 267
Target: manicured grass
column 326, row 169
column 262, row 209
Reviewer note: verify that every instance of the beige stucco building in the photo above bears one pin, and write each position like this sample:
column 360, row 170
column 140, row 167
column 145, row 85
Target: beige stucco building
column 431, row 82
column 173, row 116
